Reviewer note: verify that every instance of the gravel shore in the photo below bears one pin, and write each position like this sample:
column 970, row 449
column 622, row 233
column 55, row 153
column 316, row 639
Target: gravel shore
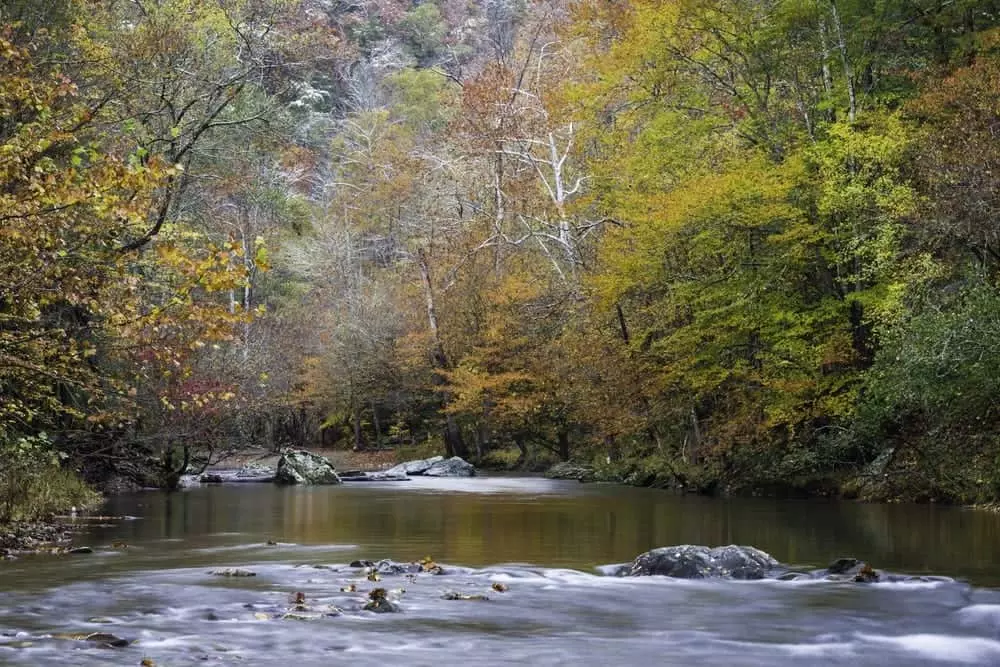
column 27, row 537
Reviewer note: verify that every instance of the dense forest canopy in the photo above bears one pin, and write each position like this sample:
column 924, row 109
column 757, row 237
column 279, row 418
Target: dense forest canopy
column 729, row 245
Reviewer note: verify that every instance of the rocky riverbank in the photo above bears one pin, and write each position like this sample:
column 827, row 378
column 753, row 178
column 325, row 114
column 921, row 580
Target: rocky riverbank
column 308, row 467
column 672, row 475
column 27, row 537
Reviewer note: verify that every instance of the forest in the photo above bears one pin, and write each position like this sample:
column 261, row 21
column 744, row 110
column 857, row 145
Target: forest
column 725, row 246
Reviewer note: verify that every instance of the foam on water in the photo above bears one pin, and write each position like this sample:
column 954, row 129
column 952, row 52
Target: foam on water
column 945, row 648
column 981, row 614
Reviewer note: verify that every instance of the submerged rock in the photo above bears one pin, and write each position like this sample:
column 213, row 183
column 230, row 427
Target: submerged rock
column 301, row 467
column 740, row 562
column 381, row 606
column 454, row 595
column 99, row 638
column 379, row 603
column 453, row 467
column 388, row 567
column 847, row 569
column 234, row 572
column 843, row 565
column 700, row 562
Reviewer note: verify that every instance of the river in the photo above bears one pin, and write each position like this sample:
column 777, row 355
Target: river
column 544, row 541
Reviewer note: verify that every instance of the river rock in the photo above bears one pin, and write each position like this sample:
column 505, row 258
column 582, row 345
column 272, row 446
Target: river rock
column 389, row 567
column 362, row 476
column 455, row 595
column 417, row 467
column 567, row 470
column 379, row 602
column 381, row 606
column 700, row 562
column 848, row 569
column 211, row 478
column 255, row 472
column 188, row 481
column 453, row 467
column 302, row 467
column 234, row 572
column 99, row 638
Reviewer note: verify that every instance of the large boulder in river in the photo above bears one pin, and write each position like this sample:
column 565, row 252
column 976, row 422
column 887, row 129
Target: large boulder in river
column 699, row 562
column 418, row 467
column 297, row 466
column 453, row 467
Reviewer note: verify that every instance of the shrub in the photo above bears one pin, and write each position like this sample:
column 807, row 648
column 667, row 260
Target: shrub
column 33, row 483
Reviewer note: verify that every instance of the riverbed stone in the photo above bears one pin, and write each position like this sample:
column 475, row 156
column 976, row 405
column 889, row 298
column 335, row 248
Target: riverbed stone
column 234, row 572
column 100, row 638
column 852, row 569
column 843, row 566
column 302, row 467
column 381, row 606
column 455, row 595
column 453, row 467
column 388, row 567
column 379, row 602
column 700, row 562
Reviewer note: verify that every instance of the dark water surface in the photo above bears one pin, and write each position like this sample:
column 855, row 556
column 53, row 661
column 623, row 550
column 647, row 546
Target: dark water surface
column 544, row 540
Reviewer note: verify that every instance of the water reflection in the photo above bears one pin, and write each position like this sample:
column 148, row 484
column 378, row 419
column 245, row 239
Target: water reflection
column 561, row 524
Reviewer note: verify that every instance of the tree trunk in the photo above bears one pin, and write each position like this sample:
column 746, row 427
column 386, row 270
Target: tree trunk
column 172, row 475
column 621, row 323
column 852, row 110
column 695, row 437
column 453, row 442
column 611, row 445
column 358, row 446
column 522, row 449
column 563, row 446
column 378, row 427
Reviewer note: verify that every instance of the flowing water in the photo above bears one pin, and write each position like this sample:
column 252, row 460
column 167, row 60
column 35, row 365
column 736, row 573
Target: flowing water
column 545, row 541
